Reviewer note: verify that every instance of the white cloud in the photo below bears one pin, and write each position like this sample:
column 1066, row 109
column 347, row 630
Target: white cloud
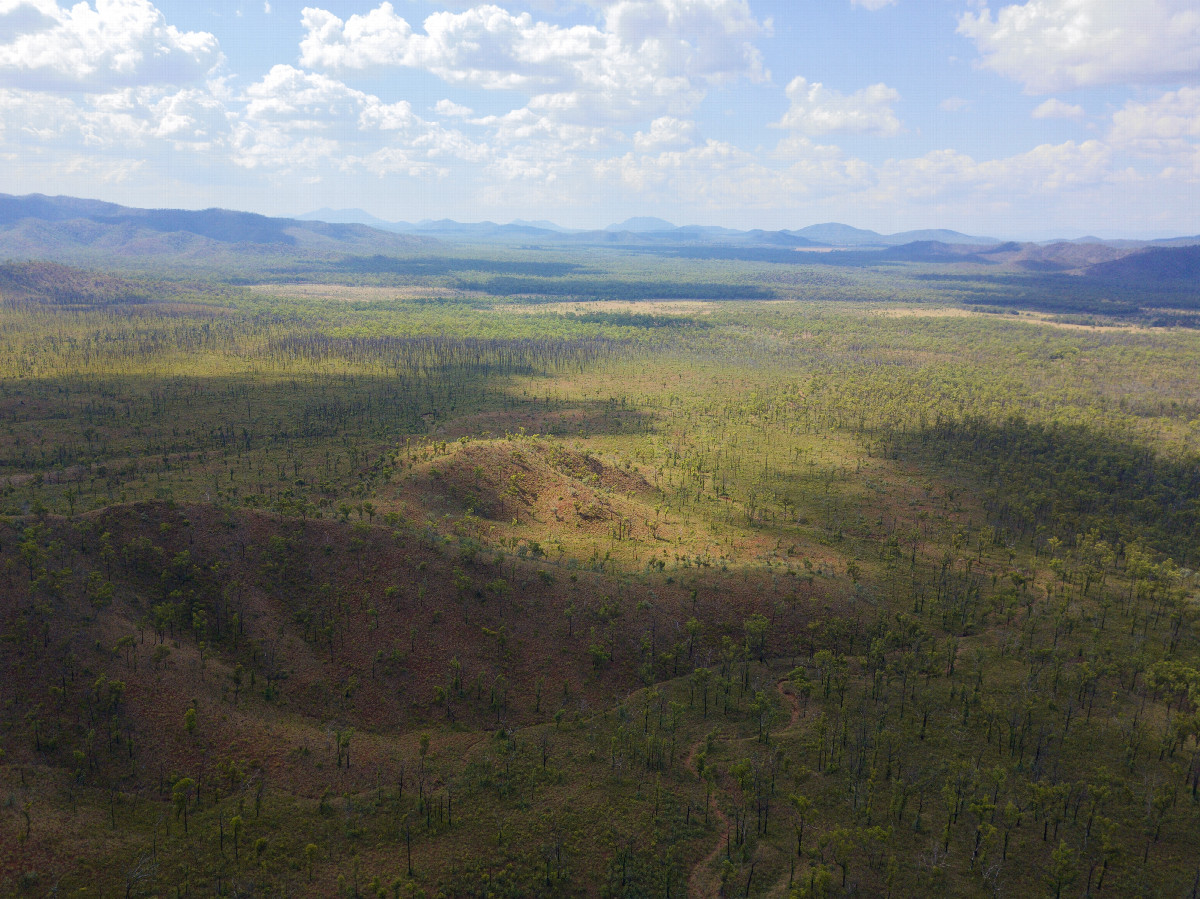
column 296, row 119
column 954, row 104
column 648, row 63
column 1173, row 117
column 1052, row 45
column 125, row 119
column 451, row 109
column 530, row 133
column 704, row 167
column 717, row 176
column 1166, row 130
column 31, row 117
column 705, row 39
column 304, row 101
column 1055, row 108
column 665, row 132
column 650, row 57
column 801, row 174
column 818, row 110
column 289, row 120
column 872, row 4
column 111, row 43
column 191, row 117
column 104, row 170
column 1045, row 169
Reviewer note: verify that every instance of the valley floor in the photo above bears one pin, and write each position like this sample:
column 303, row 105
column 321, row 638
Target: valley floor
column 411, row 596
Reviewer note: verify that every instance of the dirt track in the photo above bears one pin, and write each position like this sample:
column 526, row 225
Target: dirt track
column 702, row 883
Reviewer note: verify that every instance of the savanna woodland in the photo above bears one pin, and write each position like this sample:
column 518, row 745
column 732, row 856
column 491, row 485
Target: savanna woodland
column 501, row 571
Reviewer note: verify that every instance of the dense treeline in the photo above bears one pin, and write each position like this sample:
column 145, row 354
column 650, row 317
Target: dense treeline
column 1072, row 294
column 66, row 286
column 468, row 357
column 1070, row 480
column 446, row 265
column 613, row 289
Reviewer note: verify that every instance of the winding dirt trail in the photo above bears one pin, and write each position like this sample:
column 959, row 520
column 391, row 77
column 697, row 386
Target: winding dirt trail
column 702, row 882
column 791, row 701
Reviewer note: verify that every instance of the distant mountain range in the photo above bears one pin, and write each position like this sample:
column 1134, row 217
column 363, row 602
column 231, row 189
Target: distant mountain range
column 71, row 229
column 649, row 230
column 1168, row 264
column 68, row 229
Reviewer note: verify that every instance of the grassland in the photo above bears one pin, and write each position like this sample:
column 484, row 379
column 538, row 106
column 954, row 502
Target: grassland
column 608, row 577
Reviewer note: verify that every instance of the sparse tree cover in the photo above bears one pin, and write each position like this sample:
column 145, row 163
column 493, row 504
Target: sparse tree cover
column 475, row 595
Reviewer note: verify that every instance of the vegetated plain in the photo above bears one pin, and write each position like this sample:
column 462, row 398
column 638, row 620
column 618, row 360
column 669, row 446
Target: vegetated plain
column 490, row 572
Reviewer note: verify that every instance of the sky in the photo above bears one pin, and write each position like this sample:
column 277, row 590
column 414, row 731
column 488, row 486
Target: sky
column 1026, row 120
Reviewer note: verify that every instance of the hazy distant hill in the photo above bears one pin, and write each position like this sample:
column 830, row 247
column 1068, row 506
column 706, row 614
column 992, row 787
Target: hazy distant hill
column 931, row 251
column 1154, row 267
column 839, row 235
column 542, row 224
column 1063, row 256
column 648, row 230
column 1192, row 241
column 66, row 228
column 352, row 217
column 642, row 223
column 72, row 230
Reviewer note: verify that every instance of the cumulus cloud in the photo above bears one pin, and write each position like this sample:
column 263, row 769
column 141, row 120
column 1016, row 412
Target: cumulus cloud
column 650, row 57
column 30, row 117
column 126, row 118
column 818, row 110
column 1173, row 117
column 665, row 132
column 531, row 134
column 657, row 177
column 287, row 121
column 192, row 117
column 1053, row 45
column 1044, row 169
column 872, row 4
column 305, row 101
column 451, row 109
column 294, row 118
column 1055, row 108
column 954, row 104
column 1166, row 130
column 108, row 43
column 107, row 171
column 718, row 176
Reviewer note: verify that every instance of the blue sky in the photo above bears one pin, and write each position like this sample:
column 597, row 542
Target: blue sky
column 1026, row 119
